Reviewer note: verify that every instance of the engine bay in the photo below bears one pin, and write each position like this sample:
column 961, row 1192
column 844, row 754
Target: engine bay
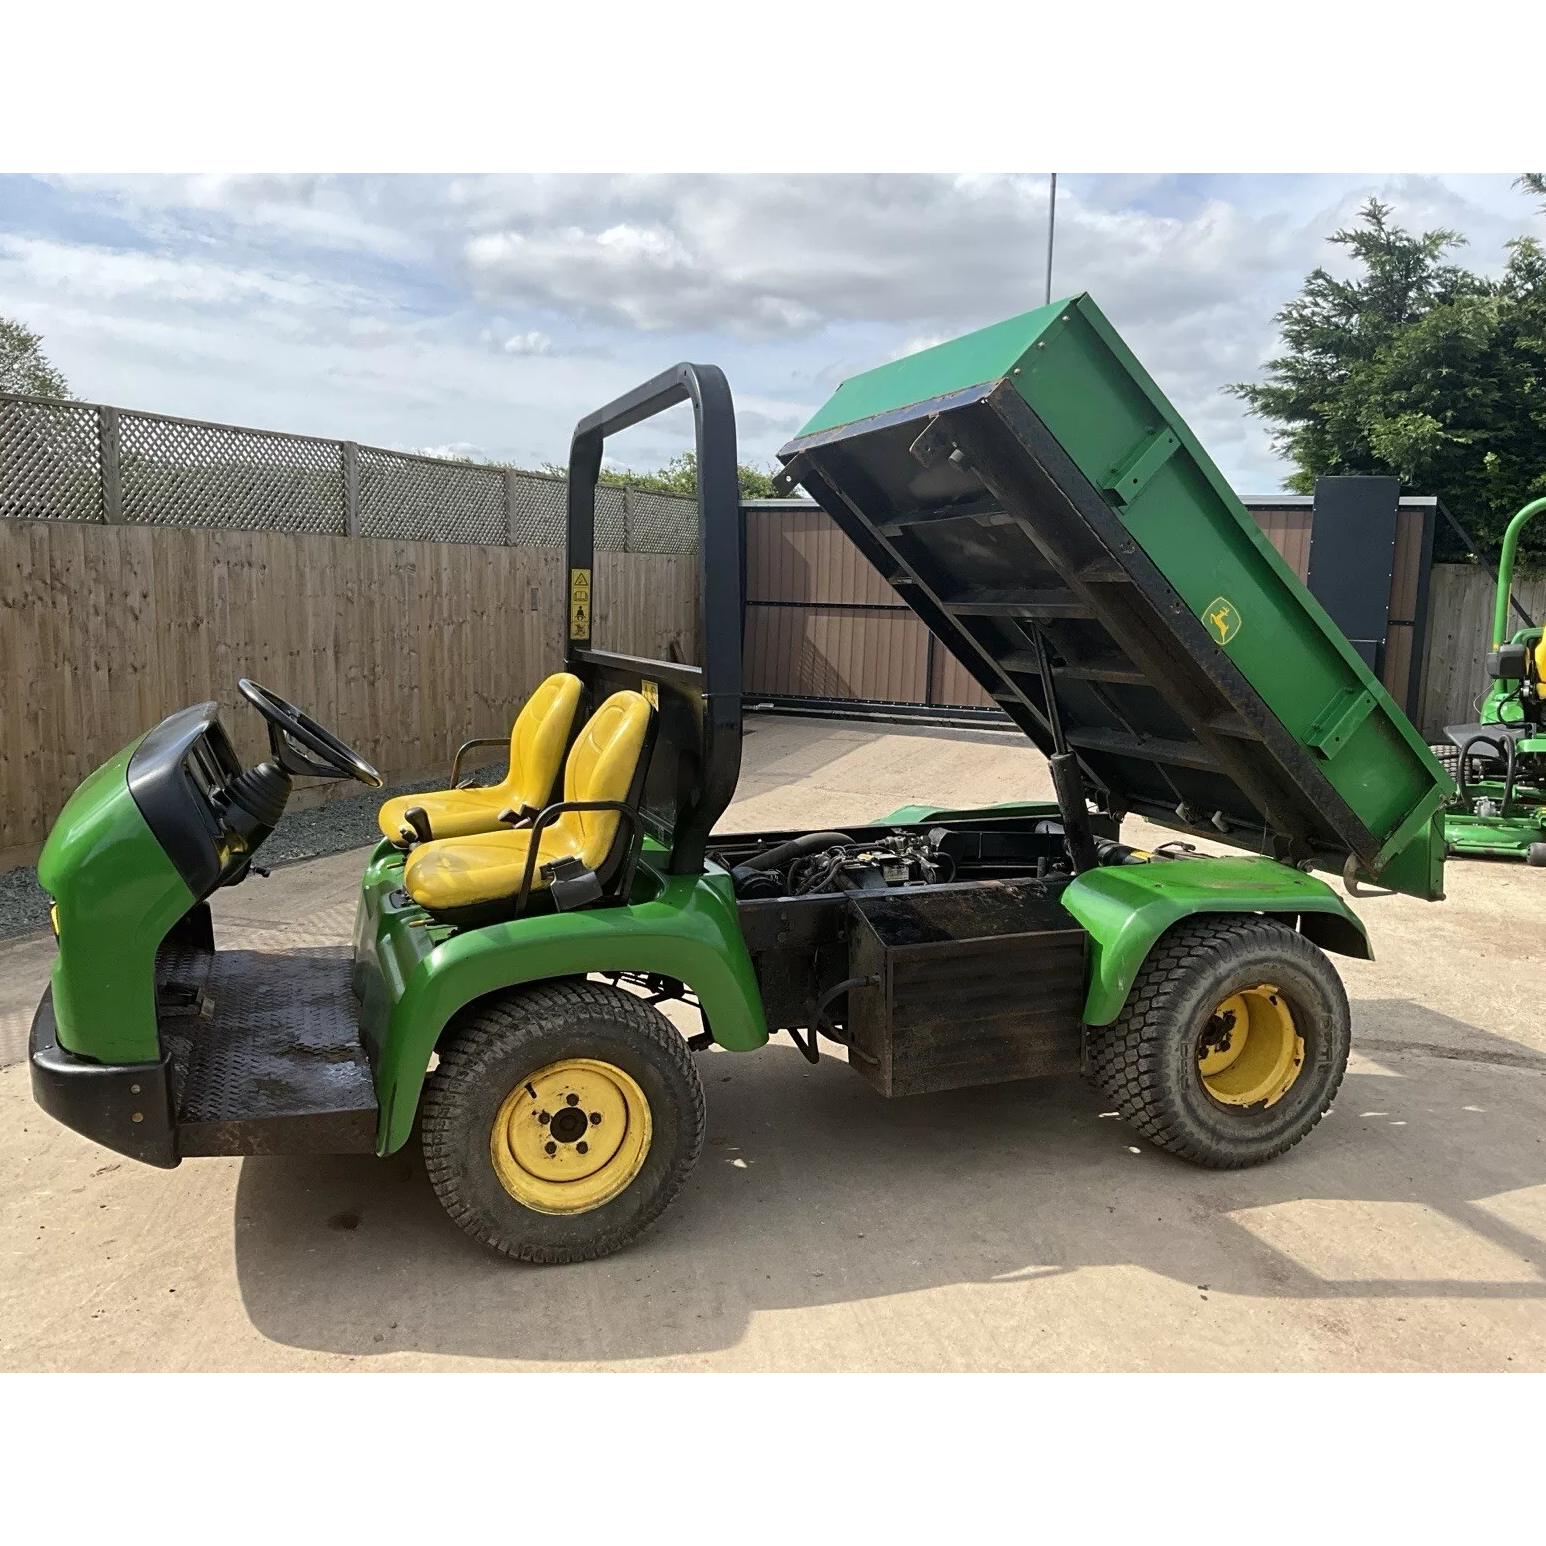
column 883, row 858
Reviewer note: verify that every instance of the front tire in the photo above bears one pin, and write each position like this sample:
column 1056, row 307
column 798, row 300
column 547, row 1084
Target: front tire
column 1232, row 1043
column 516, row 1075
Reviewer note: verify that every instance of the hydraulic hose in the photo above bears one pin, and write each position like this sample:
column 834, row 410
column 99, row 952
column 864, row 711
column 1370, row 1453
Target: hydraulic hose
column 1503, row 746
column 774, row 858
column 810, row 1044
column 807, row 843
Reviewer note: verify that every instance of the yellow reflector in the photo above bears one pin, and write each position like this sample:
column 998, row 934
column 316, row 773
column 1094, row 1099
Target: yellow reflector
column 53, row 918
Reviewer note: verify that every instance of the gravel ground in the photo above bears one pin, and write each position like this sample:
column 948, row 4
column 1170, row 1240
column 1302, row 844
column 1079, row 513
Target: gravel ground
column 308, row 834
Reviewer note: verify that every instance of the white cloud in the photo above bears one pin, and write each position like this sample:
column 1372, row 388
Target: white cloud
column 764, row 256
column 533, row 342
column 493, row 311
column 112, row 276
column 919, row 342
column 326, row 212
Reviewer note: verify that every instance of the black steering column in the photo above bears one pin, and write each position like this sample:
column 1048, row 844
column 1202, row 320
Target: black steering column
column 256, row 799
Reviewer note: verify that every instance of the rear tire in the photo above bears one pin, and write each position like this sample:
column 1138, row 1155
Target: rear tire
column 1535, row 856
column 505, row 1166
column 1204, row 982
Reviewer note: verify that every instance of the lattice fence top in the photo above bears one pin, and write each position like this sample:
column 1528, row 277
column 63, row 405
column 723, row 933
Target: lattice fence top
column 416, row 499
column 175, row 472
column 69, row 461
column 537, row 514
column 661, row 523
column 50, row 467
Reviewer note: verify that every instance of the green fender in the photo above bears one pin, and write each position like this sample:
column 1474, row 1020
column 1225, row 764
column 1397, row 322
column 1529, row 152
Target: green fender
column 411, row 983
column 1126, row 907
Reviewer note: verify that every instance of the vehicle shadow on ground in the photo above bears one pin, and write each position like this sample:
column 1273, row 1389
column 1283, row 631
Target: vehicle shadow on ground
column 814, row 1191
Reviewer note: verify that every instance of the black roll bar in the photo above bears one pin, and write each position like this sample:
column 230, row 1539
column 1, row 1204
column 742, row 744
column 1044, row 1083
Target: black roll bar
column 697, row 758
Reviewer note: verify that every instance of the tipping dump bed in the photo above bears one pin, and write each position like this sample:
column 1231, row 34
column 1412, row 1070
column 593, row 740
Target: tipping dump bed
column 1029, row 485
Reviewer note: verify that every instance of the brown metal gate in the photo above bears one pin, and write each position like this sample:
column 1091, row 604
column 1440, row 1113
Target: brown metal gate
column 825, row 634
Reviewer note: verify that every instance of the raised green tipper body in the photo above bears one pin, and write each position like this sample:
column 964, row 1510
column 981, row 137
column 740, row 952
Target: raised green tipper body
column 1099, row 427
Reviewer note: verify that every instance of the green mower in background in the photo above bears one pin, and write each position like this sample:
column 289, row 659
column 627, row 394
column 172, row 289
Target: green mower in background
column 1499, row 810
column 1044, row 509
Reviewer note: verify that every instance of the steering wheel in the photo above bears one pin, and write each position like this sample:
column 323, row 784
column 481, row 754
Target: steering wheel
column 285, row 720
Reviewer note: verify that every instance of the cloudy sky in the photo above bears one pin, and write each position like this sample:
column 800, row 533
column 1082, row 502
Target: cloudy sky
column 484, row 315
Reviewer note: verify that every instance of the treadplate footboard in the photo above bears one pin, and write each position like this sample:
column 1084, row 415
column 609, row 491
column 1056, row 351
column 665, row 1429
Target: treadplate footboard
column 266, row 1054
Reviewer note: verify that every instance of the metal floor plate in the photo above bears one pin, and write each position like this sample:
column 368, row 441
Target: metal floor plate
column 266, row 1053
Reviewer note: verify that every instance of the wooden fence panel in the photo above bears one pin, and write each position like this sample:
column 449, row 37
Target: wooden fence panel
column 404, row 648
column 1460, row 601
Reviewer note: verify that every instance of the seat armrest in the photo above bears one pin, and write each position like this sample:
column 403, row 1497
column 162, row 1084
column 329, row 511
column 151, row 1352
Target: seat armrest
column 467, row 746
column 551, row 814
column 417, row 829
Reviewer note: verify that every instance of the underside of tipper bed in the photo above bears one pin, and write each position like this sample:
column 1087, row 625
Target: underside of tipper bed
column 1043, row 508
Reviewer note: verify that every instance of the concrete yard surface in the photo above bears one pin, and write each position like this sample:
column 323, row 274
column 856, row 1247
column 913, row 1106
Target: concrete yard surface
column 1016, row 1227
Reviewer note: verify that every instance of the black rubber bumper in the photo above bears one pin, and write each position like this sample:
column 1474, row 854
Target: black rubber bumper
column 126, row 1107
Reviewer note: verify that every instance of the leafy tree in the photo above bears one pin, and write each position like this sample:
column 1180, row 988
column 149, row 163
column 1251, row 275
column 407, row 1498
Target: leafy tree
column 1419, row 368
column 23, row 367
column 680, row 476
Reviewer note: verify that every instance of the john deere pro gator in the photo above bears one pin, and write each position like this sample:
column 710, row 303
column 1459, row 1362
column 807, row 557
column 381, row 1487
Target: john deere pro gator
column 1499, row 810
column 1035, row 498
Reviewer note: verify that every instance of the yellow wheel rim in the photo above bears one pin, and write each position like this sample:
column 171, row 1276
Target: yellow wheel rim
column 1250, row 1052
column 571, row 1136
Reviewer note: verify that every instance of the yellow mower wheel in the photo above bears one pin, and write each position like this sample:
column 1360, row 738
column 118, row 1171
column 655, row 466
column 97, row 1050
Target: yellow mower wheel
column 1232, row 1042
column 561, row 1120
column 1251, row 1051
column 571, row 1136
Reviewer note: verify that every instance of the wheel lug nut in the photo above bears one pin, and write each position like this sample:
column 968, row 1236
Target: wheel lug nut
column 544, row 1117
column 595, row 1119
column 583, row 1147
column 574, row 1100
column 551, row 1148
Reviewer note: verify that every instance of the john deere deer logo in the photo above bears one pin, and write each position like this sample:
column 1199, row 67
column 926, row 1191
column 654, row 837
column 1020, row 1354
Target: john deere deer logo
column 1222, row 619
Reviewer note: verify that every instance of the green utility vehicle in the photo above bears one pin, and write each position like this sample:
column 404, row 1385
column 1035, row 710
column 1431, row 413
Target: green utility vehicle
column 1499, row 810
column 1033, row 495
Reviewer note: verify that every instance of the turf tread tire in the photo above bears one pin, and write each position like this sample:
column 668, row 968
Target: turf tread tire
column 503, row 1040
column 1144, row 1062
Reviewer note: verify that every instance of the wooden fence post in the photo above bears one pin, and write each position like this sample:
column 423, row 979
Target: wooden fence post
column 350, row 453
column 112, row 470
column 510, row 498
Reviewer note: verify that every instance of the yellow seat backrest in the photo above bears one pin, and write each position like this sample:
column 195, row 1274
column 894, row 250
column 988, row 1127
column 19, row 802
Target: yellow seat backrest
column 602, row 764
column 537, row 741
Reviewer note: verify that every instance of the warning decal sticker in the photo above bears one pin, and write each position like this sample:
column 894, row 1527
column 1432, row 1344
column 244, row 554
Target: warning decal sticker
column 579, row 603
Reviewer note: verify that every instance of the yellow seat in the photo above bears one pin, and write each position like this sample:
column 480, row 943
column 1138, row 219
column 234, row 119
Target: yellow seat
column 537, row 741
column 604, row 764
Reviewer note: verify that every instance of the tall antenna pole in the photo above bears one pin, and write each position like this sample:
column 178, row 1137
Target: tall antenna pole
column 1052, row 211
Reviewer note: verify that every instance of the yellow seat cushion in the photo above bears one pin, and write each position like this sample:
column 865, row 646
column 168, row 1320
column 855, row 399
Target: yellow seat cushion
column 468, row 871
column 537, row 741
column 464, row 871
column 452, row 812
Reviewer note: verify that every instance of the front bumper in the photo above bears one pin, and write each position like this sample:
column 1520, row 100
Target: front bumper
column 126, row 1107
